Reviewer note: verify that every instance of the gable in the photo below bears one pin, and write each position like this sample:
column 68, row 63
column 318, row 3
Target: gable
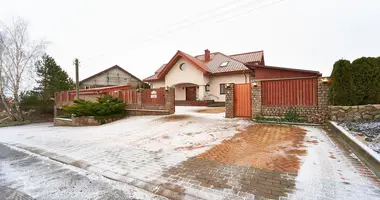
column 188, row 74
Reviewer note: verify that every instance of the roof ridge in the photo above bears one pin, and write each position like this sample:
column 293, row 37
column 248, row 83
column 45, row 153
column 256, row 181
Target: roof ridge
column 115, row 66
column 247, row 53
column 231, row 58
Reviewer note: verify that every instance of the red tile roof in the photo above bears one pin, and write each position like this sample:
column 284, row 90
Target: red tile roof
column 237, row 63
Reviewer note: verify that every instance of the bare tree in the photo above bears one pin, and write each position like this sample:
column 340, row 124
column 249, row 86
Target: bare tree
column 17, row 56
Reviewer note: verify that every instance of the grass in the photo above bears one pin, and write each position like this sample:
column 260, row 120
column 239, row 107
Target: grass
column 279, row 120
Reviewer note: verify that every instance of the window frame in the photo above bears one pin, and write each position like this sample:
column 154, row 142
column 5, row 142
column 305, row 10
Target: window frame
column 224, row 88
column 182, row 65
column 207, row 88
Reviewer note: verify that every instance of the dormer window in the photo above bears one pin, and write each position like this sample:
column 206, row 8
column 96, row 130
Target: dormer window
column 224, row 64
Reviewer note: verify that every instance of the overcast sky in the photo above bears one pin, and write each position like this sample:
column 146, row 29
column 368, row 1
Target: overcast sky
column 141, row 35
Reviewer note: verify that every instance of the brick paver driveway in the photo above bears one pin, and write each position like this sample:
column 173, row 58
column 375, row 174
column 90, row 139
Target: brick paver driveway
column 192, row 155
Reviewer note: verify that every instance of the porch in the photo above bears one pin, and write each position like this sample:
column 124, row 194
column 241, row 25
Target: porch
column 189, row 94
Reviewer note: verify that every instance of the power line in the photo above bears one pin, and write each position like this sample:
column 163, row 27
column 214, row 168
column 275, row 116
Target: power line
column 243, row 6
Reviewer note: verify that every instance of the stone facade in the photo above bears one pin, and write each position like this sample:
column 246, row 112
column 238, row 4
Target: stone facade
column 354, row 113
column 83, row 121
column 230, row 100
column 256, row 101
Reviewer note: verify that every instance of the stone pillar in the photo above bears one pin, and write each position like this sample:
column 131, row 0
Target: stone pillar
column 201, row 92
column 230, row 100
column 323, row 101
column 256, row 100
column 139, row 100
column 170, row 99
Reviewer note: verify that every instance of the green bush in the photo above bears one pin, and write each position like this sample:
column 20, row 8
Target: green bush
column 291, row 115
column 105, row 106
column 355, row 83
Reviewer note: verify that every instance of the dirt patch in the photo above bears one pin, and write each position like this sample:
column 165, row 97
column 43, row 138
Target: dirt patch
column 213, row 110
column 165, row 137
column 262, row 146
column 191, row 147
column 312, row 141
column 173, row 118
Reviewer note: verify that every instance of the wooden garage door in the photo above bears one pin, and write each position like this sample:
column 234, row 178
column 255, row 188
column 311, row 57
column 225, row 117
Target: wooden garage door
column 242, row 100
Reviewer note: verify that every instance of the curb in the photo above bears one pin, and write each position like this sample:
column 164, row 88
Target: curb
column 161, row 187
column 286, row 123
column 365, row 154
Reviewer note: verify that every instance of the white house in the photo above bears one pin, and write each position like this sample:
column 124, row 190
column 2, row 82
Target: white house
column 204, row 77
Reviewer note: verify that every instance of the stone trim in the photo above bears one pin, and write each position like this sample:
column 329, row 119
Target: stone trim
column 230, row 89
column 354, row 113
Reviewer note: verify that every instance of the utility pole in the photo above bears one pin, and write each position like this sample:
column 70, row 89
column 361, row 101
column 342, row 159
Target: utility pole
column 76, row 63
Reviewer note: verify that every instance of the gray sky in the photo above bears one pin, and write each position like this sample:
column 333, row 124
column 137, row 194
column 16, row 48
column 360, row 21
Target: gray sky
column 306, row 34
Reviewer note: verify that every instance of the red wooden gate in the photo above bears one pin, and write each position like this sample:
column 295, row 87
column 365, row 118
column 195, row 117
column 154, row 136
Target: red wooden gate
column 243, row 100
column 293, row 92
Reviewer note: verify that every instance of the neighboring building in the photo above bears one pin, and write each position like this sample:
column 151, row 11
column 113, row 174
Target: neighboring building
column 112, row 76
column 204, row 77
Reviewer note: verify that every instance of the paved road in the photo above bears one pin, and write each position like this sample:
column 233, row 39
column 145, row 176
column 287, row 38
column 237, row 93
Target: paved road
column 24, row 177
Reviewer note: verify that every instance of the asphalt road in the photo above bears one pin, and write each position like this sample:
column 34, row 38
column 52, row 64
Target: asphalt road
column 24, row 176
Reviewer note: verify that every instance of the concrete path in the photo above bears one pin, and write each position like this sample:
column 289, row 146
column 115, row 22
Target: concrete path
column 183, row 157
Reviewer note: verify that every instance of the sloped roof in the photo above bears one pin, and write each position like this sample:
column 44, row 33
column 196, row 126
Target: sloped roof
column 108, row 69
column 256, row 56
column 232, row 65
column 238, row 63
column 197, row 63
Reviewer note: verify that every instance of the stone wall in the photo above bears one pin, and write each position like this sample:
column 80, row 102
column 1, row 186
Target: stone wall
column 83, row 121
column 354, row 113
column 256, row 101
column 302, row 111
column 230, row 101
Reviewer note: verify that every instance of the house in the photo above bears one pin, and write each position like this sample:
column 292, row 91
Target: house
column 113, row 76
column 203, row 77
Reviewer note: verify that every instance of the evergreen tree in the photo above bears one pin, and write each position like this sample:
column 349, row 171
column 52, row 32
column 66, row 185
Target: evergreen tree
column 367, row 79
column 51, row 78
column 342, row 90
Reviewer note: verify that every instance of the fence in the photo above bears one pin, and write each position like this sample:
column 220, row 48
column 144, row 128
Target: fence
column 291, row 92
column 138, row 101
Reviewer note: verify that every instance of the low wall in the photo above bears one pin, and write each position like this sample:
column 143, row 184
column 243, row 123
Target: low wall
column 194, row 103
column 302, row 111
column 354, row 113
column 83, row 121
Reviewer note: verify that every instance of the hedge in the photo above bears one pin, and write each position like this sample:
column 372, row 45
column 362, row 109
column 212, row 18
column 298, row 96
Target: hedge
column 356, row 83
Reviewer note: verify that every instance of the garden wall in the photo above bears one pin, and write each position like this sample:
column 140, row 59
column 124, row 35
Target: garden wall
column 354, row 113
column 83, row 121
column 308, row 97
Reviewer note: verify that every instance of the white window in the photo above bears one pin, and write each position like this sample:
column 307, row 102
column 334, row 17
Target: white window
column 224, row 64
column 182, row 67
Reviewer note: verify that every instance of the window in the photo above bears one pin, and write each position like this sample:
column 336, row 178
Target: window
column 86, row 87
column 207, row 88
column 108, row 79
column 126, row 80
column 223, row 88
column 224, row 64
column 182, row 67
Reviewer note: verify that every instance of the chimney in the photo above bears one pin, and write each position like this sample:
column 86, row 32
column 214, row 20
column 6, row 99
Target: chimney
column 207, row 55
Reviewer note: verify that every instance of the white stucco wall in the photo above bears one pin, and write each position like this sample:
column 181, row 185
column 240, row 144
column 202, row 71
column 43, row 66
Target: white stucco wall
column 157, row 84
column 215, row 81
column 190, row 75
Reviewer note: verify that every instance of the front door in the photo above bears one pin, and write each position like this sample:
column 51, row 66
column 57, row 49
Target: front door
column 191, row 93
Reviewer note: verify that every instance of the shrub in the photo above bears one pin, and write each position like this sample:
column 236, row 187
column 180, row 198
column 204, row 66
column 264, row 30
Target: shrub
column 291, row 115
column 342, row 89
column 355, row 83
column 105, row 106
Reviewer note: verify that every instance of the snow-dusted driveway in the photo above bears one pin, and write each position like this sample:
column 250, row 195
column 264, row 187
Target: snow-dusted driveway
column 160, row 150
